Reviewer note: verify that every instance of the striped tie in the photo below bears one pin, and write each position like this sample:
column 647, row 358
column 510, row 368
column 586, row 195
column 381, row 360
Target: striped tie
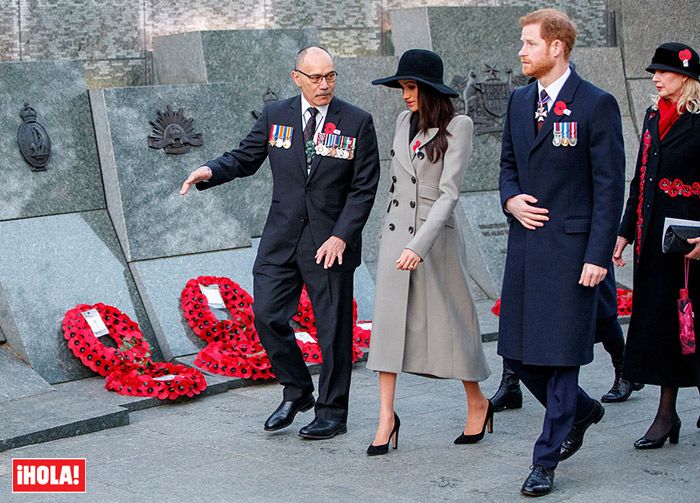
column 541, row 113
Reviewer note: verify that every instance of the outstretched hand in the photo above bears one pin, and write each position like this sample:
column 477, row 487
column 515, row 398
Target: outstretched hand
column 200, row 174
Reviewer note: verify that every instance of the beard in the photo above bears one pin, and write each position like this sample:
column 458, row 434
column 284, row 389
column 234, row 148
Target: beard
column 538, row 69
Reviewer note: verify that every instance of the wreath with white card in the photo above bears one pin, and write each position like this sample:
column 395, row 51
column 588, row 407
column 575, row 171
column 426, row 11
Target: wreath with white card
column 128, row 367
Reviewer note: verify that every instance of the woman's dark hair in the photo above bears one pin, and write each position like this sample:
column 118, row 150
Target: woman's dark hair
column 435, row 110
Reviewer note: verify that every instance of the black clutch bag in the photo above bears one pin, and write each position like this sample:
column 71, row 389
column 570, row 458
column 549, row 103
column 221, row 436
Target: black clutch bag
column 675, row 239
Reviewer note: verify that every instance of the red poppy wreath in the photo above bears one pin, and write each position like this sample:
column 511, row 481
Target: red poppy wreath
column 233, row 347
column 128, row 367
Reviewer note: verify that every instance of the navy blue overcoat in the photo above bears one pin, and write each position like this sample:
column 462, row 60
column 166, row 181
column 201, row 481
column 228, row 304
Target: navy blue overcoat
column 547, row 318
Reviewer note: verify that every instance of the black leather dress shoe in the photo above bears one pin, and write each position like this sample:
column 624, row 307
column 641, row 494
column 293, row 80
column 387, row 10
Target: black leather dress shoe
column 284, row 414
column 574, row 439
column 539, row 482
column 321, row 429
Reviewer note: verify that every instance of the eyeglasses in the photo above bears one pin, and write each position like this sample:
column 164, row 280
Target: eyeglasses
column 315, row 78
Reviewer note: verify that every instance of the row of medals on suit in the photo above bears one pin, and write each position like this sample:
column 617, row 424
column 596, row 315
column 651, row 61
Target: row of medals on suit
column 565, row 134
column 331, row 145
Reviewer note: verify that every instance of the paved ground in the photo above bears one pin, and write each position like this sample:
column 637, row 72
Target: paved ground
column 214, row 450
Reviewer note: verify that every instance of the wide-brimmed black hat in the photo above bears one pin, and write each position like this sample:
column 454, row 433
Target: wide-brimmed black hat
column 675, row 57
column 422, row 66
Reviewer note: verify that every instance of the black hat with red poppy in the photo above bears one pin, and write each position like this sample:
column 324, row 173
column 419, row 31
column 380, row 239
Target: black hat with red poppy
column 421, row 65
column 676, row 57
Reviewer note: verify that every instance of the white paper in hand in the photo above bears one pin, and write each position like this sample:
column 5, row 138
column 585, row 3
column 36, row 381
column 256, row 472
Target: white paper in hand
column 96, row 323
column 213, row 295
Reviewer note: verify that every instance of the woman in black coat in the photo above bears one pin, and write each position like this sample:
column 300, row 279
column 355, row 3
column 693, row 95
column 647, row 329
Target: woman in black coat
column 666, row 184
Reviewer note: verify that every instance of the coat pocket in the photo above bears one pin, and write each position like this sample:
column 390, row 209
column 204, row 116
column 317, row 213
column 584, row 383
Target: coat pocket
column 577, row 225
column 422, row 214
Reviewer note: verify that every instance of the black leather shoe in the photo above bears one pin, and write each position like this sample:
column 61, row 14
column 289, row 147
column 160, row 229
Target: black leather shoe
column 539, row 482
column 284, row 414
column 321, row 429
column 621, row 388
column 672, row 436
column 508, row 395
column 574, row 439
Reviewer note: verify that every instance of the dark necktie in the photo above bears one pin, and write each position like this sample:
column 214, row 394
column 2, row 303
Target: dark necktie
column 541, row 113
column 309, row 131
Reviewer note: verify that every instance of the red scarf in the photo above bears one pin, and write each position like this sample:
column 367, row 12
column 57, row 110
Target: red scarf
column 668, row 115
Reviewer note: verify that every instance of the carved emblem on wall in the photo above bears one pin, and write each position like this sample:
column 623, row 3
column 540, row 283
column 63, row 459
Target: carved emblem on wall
column 173, row 132
column 33, row 140
column 486, row 101
column 268, row 97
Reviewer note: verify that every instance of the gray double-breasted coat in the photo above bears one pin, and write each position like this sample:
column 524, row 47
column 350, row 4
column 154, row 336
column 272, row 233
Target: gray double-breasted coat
column 424, row 320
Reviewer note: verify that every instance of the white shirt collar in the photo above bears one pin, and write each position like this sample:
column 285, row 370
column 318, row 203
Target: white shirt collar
column 554, row 88
column 320, row 116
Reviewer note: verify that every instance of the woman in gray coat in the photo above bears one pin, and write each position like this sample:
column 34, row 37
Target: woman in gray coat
column 424, row 317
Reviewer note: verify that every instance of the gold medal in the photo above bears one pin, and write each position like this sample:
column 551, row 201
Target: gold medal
column 287, row 144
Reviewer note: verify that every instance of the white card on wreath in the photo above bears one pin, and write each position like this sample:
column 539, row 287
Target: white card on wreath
column 168, row 377
column 95, row 321
column 213, row 295
column 304, row 337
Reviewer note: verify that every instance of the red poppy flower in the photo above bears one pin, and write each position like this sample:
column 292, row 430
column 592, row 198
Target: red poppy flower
column 685, row 56
column 328, row 128
column 560, row 108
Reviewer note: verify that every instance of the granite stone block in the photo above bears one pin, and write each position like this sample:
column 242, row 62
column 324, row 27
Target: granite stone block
column 206, row 56
column 142, row 184
column 354, row 84
column 71, row 182
column 646, row 25
column 17, row 380
column 487, row 239
column 642, row 93
column 49, row 265
column 161, row 281
column 602, row 66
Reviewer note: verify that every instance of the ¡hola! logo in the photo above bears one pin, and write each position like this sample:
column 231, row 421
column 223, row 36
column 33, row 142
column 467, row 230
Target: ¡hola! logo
column 56, row 475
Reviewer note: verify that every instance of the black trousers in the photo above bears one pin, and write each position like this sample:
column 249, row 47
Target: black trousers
column 276, row 292
column 565, row 402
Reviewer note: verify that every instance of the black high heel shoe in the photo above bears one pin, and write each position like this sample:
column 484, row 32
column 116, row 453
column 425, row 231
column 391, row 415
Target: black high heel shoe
column 472, row 439
column 377, row 450
column 672, row 436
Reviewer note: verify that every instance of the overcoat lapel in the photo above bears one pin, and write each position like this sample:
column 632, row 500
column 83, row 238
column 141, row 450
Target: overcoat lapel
column 567, row 96
column 679, row 128
column 423, row 137
column 403, row 152
column 333, row 116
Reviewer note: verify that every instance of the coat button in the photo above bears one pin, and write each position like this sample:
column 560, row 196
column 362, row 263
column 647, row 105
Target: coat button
column 410, row 230
column 412, row 204
column 396, row 202
column 421, row 155
column 392, row 227
column 392, row 152
column 393, row 179
column 308, row 189
column 302, row 219
column 413, row 179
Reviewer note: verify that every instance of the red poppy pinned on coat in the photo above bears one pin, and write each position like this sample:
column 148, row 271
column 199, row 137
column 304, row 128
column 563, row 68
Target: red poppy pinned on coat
column 415, row 145
column 329, row 128
column 560, row 108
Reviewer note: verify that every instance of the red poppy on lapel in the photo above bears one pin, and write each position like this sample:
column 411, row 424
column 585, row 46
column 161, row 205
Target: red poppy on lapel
column 560, row 108
column 328, row 128
column 415, row 145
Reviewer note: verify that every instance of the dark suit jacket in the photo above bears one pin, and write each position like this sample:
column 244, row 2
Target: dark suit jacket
column 547, row 318
column 335, row 198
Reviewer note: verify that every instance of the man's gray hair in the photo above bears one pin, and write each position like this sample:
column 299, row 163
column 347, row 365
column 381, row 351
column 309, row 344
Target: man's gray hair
column 302, row 54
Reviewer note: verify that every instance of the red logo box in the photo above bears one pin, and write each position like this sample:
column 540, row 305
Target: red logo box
column 50, row 475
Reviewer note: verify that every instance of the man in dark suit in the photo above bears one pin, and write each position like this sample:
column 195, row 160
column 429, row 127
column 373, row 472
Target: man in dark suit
column 562, row 188
column 325, row 169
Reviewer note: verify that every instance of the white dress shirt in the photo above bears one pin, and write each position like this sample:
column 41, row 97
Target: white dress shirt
column 554, row 88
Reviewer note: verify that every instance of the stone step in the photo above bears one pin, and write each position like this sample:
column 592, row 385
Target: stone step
column 76, row 408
